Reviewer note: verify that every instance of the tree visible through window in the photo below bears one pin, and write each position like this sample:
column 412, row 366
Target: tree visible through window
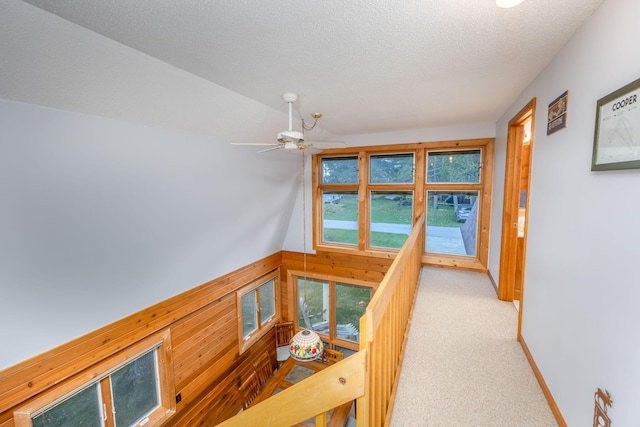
column 131, row 388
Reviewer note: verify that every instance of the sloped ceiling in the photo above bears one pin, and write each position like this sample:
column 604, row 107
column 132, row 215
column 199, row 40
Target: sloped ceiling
column 368, row 65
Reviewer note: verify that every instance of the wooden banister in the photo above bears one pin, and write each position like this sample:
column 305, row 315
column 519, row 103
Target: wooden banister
column 323, row 391
column 371, row 375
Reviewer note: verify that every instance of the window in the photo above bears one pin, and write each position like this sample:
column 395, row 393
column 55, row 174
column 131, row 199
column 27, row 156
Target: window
column 454, row 166
column 452, row 219
column 340, row 206
column 385, row 222
column 391, row 218
column 331, row 308
column 132, row 388
column 366, row 199
column 453, row 184
column 391, row 168
column 257, row 309
column 340, row 217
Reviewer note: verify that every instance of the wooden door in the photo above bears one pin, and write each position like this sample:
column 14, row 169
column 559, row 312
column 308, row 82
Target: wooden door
column 516, row 202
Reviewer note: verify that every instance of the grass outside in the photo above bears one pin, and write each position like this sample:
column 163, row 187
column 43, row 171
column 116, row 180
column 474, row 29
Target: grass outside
column 350, row 304
column 383, row 210
column 350, row 237
column 443, row 216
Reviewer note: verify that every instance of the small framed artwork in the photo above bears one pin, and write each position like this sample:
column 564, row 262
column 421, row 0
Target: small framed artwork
column 616, row 144
column 557, row 113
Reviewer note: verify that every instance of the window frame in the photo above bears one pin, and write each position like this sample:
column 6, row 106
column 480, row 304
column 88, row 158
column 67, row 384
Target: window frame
column 262, row 327
column 363, row 188
column 332, row 339
column 419, row 188
column 159, row 342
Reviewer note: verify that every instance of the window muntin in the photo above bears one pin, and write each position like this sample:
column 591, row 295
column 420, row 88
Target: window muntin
column 340, row 217
column 88, row 397
column 340, row 170
column 331, row 308
column 391, row 218
column 257, row 308
column 452, row 222
column 454, row 166
column 391, row 168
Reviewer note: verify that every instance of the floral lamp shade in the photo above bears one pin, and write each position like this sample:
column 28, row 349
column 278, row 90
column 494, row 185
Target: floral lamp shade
column 306, row 345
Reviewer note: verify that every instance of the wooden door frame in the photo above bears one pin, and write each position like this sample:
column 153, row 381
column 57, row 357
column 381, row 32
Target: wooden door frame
column 511, row 201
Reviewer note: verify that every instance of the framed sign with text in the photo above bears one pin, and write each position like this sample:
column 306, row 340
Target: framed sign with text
column 616, row 143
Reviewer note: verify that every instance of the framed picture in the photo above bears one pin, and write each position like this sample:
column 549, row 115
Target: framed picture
column 616, row 143
column 557, row 113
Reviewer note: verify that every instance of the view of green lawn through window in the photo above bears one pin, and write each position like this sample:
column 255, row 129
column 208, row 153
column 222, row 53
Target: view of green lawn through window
column 391, row 218
column 390, row 212
column 315, row 308
column 382, row 217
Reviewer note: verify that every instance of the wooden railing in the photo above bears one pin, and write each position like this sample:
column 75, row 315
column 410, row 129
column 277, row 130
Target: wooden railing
column 371, row 375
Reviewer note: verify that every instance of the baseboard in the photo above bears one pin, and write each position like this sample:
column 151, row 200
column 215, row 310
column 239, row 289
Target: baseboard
column 493, row 282
column 547, row 393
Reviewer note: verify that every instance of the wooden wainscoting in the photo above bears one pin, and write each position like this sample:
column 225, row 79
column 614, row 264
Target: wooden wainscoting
column 204, row 340
column 203, row 326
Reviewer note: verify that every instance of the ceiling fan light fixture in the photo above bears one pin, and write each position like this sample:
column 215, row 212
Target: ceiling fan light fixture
column 290, row 136
column 505, row 4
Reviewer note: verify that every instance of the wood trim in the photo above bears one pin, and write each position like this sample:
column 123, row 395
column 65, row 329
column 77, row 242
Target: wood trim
column 418, row 187
column 493, row 282
column 543, row 385
column 457, row 143
column 261, row 330
column 484, row 222
column 160, row 342
column 510, row 205
column 463, row 263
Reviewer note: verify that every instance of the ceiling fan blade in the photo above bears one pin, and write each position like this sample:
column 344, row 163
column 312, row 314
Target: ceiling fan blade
column 255, row 143
column 271, row 149
column 328, row 144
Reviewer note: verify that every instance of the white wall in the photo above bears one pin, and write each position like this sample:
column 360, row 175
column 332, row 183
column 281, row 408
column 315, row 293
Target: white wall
column 101, row 218
column 295, row 240
column 580, row 317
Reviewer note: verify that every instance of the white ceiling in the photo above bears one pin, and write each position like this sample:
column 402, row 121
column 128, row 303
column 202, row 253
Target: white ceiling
column 368, row 65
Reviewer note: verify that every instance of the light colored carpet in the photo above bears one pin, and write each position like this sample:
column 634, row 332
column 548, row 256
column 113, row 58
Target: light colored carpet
column 463, row 365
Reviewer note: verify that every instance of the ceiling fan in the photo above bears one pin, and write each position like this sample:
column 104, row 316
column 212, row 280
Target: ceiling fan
column 292, row 140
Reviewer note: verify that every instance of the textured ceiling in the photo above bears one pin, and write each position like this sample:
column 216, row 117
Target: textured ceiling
column 368, row 65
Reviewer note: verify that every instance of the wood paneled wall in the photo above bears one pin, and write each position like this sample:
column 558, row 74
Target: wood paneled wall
column 203, row 323
column 207, row 365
